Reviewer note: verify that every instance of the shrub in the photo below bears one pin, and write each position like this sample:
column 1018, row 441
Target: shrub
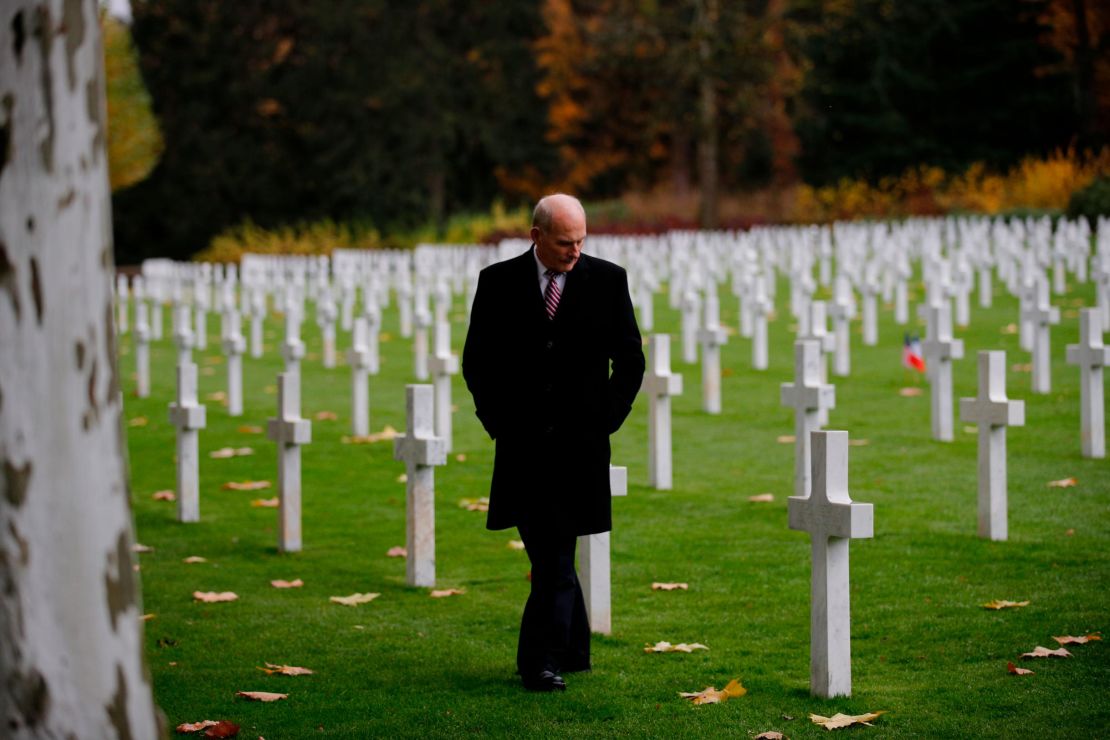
column 1092, row 201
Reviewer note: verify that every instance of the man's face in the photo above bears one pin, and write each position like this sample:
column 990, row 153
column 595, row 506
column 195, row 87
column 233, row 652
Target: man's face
column 560, row 246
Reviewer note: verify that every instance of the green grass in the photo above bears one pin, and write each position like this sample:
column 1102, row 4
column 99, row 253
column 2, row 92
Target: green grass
column 410, row 666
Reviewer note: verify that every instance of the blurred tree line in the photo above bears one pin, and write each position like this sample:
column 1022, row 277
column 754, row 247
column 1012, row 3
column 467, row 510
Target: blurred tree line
column 396, row 114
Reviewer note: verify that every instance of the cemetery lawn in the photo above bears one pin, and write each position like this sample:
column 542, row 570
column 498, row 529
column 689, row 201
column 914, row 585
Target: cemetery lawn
column 407, row 665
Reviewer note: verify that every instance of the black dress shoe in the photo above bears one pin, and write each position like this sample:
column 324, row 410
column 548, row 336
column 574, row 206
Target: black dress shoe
column 544, row 681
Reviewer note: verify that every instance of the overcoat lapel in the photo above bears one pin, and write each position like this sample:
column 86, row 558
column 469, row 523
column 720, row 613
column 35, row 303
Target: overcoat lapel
column 577, row 284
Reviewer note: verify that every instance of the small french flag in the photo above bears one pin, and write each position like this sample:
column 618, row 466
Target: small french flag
column 911, row 353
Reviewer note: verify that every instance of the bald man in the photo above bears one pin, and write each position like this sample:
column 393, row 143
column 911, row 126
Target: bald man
column 554, row 360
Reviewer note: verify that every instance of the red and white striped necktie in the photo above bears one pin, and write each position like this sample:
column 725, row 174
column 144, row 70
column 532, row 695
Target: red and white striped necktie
column 551, row 294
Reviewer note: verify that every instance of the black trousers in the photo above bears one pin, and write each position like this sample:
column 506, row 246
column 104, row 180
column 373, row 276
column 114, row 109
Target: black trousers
column 555, row 630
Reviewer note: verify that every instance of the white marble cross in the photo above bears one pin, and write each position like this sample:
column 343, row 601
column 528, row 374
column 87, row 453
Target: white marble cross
column 421, row 450
column 1091, row 357
column 422, row 321
column 760, row 307
column 202, row 300
column 939, row 349
column 819, row 331
column 711, row 337
column 142, row 347
column 122, row 294
column 358, row 357
column 292, row 350
column 258, row 314
column 326, row 316
column 187, row 416
column 659, row 385
column 842, row 311
column 404, row 306
column 234, row 345
column 807, row 395
column 832, row 519
column 595, row 571
column 993, row 412
column 1040, row 316
column 442, row 365
column 870, row 291
column 183, row 333
column 691, row 308
column 373, row 316
column 289, row 431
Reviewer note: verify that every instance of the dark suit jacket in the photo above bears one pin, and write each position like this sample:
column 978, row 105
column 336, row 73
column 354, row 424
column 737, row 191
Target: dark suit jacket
column 544, row 392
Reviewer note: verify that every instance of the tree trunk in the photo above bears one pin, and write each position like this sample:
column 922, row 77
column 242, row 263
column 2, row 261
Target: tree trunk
column 1085, row 94
column 707, row 110
column 71, row 642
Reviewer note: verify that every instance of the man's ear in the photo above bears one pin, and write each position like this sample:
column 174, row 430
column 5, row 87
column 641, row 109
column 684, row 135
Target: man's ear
column 535, row 233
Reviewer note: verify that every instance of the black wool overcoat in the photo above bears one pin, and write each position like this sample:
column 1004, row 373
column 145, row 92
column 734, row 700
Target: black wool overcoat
column 550, row 391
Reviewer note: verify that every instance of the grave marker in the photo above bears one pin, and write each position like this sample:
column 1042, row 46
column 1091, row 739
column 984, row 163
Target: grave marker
column 1091, row 357
column 940, row 349
column 358, row 357
column 711, row 337
column 1041, row 316
column 187, row 416
column 595, row 573
column 234, row 345
column 807, row 395
column 659, row 385
column 421, row 450
column 289, row 431
column 442, row 365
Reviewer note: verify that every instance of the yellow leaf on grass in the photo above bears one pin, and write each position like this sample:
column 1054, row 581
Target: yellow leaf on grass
column 216, row 396
column 762, row 498
column 353, row 599
column 226, row 452
column 682, row 647
column 515, row 545
column 166, row 495
column 910, row 392
column 387, row 433
column 710, row 695
column 1043, row 652
column 770, row 735
column 250, row 429
column 284, row 670
column 858, row 442
column 326, row 416
column 397, row 552
column 474, row 504
column 212, row 597
column 1018, row 671
column 1063, row 483
column 838, row 720
column 461, row 457
column 669, row 586
column 295, row 583
column 193, row 559
column 442, row 593
column 140, row 548
column 1081, row 640
column 261, row 695
column 1003, row 604
column 247, row 485
column 266, row 503
column 1010, row 329
column 138, row 421
column 1022, row 367
column 785, row 439
column 146, row 617
column 186, row 727
column 402, row 478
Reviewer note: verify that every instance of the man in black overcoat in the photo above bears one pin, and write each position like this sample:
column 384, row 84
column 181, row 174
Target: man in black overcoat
column 554, row 360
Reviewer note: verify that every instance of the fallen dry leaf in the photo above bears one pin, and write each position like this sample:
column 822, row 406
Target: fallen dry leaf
column 211, row 597
column 515, row 545
column 261, row 695
column 266, row 503
column 193, row 559
column 971, row 430
column 1081, row 640
column 1069, row 533
column 474, row 504
column 250, row 429
column 1010, row 329
column 139, row 548
column 216, row 396
column 386, row 434
column 226, row 452
column 1003, row 604
column 353, row 599
column 397, row 552
column 785, row 439
column 270, row 390
column 762, row 498
column 1063, row 483
column 1022, row 367
column 138, row 421
column 285, row 670
column 906, row 393
column 385, row 337
column 858, row 442
column 442, row 593
column 146, row 617
column 247, row 485
column 837, row 721
column 166, row 495
column 682, row 647
column 186, row 727
column 223, row 728
column 326, row 416
column 402, row 478
column 208, row 371
column 1018, row 671
column 770, row 735
column 710, row 695
column 669, row 586
column 1043, row 652
column 296, row 583
column 461, row 457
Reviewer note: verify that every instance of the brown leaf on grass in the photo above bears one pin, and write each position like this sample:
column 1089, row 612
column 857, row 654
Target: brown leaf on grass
column 193, row 559
column 326, row 416
column 284, row 670
column 1063, row 483
column 250, row 429
column 353, row 599
column 1018, row 671
column 1042, row 652
column 682, row 647
column 296, row 583
column 770, row 735
column 762, row 498
column 146, row 617
column 212, row 597
column 785, row 439
column 474, row 504
column 1022, row 367
column 403, row 478
column 669, row 586
column 186, row 727
column 140, row 548
column 1010, row 329
column 1003, row 604
column 910, row 392
column 445, row 592
column 1080, row 640
column 515, row 545
column 208, row 371
column 711, row 695
column 270, row 390
column 226, row 452
column 261, row 695
column 166, row 495
column 138, row 421
column 397, row 552
column 858, row 442
column 223, row 728
column 216, row 396
column 266, row 503
column 387, row 433
column 837, row 721
column 247, row 485
column 461, row 457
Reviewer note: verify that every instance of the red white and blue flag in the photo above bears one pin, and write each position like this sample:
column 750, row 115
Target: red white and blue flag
column 911, row 354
